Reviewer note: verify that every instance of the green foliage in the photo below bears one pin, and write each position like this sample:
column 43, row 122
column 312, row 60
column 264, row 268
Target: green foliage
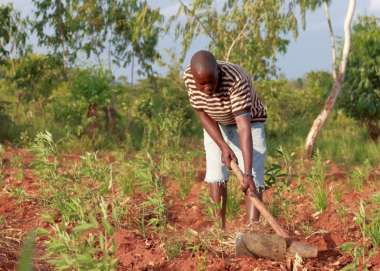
column 78, row 248
column 317, row 180
column 291, row 109
column 249, row 33
column 361, row 90
column 368, row 220
column 234, row 199
column 360, row 175
column 126, row 29
column 344, row 142
column 173, row 248
column 369, row 223
column 36, row 76
column 93, row 86
column 12, row 32
column 25, row 262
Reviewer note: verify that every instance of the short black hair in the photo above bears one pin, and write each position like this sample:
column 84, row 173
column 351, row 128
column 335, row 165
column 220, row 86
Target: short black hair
column 203, row 61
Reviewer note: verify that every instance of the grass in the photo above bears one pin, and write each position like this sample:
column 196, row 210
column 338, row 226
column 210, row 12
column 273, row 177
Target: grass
column 173, row 248
column 87, row 201
column 278, row 176
column 368, row 220
column 316, row 179
column 360, row 175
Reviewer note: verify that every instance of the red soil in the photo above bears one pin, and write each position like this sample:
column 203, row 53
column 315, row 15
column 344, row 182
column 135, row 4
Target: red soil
column 135, row 252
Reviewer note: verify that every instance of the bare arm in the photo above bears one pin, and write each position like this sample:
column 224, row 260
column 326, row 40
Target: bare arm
column 243, row 123
column 213, row 130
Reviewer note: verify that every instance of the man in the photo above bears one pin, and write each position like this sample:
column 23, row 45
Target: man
column 233, row 120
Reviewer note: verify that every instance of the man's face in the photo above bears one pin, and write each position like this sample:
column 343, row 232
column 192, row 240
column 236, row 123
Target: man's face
column 206, row 82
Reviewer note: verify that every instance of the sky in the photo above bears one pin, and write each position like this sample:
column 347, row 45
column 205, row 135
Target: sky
column 310, row 51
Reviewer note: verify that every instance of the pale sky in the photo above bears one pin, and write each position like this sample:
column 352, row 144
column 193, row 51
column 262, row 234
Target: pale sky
column 311, row 51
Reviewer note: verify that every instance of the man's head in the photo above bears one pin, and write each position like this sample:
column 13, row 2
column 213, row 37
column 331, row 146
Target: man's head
column 205, row 71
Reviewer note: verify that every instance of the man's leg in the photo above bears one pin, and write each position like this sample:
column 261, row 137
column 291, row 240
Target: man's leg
column 216, row 177
column 258, row 160
column 218, row 193
column 258, row 164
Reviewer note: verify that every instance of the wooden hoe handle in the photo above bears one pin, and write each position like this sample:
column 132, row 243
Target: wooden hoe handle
column 259, row 205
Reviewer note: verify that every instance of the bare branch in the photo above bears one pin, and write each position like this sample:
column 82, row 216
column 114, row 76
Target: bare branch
column 199, row 21
column 347, row 36
column 332, row 37
column 330, row 102
column 238, row 37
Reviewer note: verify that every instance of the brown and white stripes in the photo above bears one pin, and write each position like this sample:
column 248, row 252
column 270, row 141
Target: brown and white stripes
column 234, row 96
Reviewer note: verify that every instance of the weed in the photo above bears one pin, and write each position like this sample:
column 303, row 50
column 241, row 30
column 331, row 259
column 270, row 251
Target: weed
column 338, row 194
column 359, row 254
column 25, row 262
column 173, row 249
column 94, row 169
column 201, row 262
column 234, row 199
column 154, row 208
column 376, row 199
column 307, row 228
column 317, row 180
column 77, row 247
column 342, row 211
column 300, row 189
column 369, row 226
column 272, row 173
column 360, row 175
column 16, row 162
column 20, row 194
column 210, row 207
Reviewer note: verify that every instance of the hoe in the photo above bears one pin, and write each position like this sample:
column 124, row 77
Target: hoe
column 277, row 246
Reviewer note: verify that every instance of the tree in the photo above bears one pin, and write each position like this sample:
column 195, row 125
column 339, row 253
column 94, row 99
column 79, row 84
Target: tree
column 361, row 90
column 13, row 34
column 36, row 76
column 250, row 33
column 58, row 27
column 96, row 89
column 126, row 29
column 338, row 76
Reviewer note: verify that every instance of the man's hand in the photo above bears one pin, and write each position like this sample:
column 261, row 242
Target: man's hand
column 248, row 185
column 227, row 156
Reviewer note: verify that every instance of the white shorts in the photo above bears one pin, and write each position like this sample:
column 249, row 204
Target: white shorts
column 217, row 172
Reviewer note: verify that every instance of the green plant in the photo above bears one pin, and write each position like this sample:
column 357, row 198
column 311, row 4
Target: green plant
column 154, row 208
column 173, row 248
column 306, row 228
column 25, row 262
column 20, row 194
column 360, row 98
column 369, row 225
column 75, row 245
column 234, row 199
column 210, row 207
column 360, row 175
column 359, row 254
column 317, row 180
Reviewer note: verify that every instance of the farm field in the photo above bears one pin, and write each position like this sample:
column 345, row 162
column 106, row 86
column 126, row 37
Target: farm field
column 103, row 211
column 104, row 106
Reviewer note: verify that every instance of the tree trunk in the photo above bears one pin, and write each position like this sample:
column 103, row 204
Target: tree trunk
column 92, row 113
column 110, row 113
column 373, row 130
column 337, row 86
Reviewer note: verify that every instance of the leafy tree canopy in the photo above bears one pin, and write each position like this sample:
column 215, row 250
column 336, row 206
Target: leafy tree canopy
column 361, row 91
column 247, row 32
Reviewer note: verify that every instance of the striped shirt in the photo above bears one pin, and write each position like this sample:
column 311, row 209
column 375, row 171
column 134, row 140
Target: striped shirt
column 234, row 96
